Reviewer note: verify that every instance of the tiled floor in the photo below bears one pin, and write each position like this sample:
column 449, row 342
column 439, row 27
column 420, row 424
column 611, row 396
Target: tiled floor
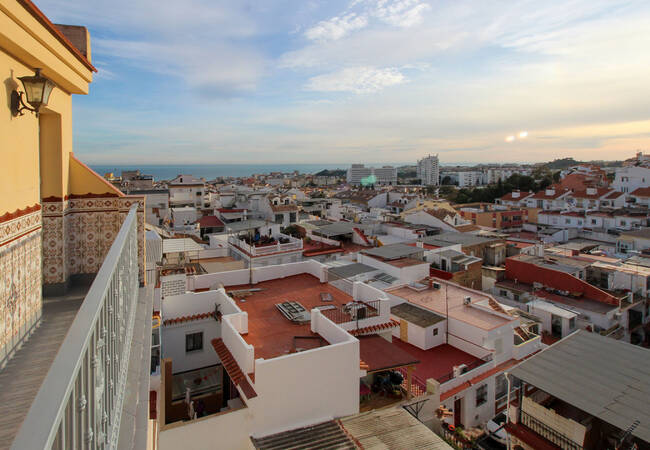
column 268, row 330
column 435, row 362
column 21, row 379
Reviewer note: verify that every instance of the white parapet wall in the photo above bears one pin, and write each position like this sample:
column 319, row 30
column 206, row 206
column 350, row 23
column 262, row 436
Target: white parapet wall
column 258, row 274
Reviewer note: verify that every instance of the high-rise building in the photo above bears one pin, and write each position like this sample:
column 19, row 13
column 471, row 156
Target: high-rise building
column 429, row 170
column 386, row 175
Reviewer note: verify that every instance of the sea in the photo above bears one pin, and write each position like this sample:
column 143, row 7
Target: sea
column 212, row 171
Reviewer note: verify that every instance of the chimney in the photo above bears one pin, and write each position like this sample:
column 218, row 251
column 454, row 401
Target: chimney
column 516, row 194
column 591, row 191
column 550, row 191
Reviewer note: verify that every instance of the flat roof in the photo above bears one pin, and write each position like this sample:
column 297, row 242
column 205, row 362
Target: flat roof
column 270, row 332
column 452, row 237
column 416, row 315
column 380, row 354
column 604, row 377
column 340, row 228
column 350, row 270
column 245, row 225
column 450, row 297
column 393, row 251
column 437, row 362
column 178, row 245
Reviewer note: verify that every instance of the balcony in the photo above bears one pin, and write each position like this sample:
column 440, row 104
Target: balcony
column 254, row 250
column 548, row 433
column 81, row 401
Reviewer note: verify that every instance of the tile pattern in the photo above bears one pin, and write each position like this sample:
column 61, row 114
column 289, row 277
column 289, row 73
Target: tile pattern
column 78, row 232
column 20, row 279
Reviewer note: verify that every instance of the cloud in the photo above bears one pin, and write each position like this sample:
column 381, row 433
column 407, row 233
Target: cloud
column 401, row 13
column 205, row 43
column 336, row 27
column 359, row 80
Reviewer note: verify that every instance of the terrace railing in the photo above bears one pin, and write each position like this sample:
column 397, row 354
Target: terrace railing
column 353, row 312
column 79, row 404
column 548, row 433
column 471, row 366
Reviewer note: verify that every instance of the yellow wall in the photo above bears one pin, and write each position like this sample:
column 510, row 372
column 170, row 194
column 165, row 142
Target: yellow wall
column 84, row 180
column 19, row 144
column 29, row 173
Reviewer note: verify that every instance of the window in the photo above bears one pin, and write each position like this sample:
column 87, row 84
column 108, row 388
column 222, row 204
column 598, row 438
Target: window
column 503, row 293
column 194, row 342
column 516, row 297
column 481, row 395
column 435, row 332
column 572, row 323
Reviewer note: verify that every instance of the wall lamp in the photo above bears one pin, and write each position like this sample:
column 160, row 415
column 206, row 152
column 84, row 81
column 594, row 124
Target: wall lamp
column 37, row 93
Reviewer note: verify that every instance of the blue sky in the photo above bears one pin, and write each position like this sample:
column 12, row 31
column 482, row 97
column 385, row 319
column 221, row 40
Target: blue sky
column 361, row 80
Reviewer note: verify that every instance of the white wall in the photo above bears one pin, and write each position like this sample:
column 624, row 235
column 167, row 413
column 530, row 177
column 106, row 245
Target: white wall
column 173, row 344
column 230, row 430
column 242, row 276
column 422, row 337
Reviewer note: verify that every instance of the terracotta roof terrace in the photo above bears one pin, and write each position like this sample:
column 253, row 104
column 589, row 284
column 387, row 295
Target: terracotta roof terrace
column 450, row 297
column 269, row 331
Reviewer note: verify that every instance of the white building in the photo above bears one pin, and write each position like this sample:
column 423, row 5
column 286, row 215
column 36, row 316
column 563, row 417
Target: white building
column 628, row 179
column 386, row 175
column 429, row 170
column 186, row 190
column 494, row 174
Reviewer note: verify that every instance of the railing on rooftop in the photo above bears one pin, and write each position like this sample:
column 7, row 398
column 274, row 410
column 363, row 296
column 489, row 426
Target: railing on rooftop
column 548, row 433
column 261, row 250
column 471, row 366
column 79, row 404
column 353, row 311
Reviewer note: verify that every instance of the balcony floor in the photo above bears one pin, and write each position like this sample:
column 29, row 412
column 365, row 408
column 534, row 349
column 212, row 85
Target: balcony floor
column 23, row 375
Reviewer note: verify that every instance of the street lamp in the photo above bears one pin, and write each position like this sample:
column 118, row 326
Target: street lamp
column 37, row 93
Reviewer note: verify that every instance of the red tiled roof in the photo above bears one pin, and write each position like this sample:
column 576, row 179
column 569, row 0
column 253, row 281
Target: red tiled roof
column 541, row 195
column 283, row 208
column 374, row 328
column 477, row 379
column 210, row 221
column 641, row 192
column 522, row 196
column 232, row 368
column 183, row 319
column 228, row 210
column 526, row 272
column 600, row 192
column 379, row 354
column 530, row 437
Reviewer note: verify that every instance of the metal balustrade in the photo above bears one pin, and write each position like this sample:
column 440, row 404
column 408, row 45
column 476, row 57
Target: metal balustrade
column 79, row 404
column 354, row 311
column 548, row 433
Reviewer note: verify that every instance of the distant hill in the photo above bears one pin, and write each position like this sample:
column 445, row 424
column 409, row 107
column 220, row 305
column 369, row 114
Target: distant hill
column 331, row 173
column 563, row 163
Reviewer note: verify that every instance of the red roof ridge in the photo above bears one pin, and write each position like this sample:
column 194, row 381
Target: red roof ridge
column 232, row 368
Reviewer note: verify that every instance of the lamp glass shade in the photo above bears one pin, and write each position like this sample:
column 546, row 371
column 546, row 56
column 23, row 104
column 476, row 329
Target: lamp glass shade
column 37, row 89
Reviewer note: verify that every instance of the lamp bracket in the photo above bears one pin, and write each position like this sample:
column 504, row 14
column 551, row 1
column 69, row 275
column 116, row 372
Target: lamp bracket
column 18, row 105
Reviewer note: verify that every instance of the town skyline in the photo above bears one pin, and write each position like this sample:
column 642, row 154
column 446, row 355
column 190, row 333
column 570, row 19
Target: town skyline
column 357, row 81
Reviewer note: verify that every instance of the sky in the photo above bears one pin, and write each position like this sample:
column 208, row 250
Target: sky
column 376, row 81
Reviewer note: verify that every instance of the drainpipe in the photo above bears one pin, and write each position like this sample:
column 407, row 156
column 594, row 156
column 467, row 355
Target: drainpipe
column 507, row 375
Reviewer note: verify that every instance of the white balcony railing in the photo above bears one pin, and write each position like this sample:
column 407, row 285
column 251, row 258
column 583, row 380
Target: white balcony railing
column 293, row 244
column 79, row 404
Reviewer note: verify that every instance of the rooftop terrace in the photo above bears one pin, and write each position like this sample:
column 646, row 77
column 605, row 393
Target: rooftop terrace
column 269, row 331
column 450, row 299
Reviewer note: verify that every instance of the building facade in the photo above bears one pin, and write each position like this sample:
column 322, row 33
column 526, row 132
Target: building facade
column 429, row 170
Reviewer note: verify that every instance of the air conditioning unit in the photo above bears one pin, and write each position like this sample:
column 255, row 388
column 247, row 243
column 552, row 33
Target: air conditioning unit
column 436, row 285
column 467, row 300
column 459, row 370
column 617, row 316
